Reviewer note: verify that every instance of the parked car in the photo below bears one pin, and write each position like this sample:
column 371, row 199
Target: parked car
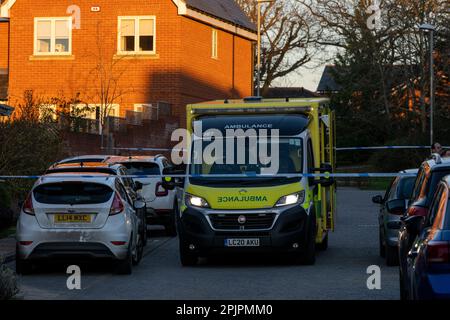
column 159, row 201
column 392, row 207
column 86, row 158
column 79, row 217
column 132, row 187
column 428, row 262
column 430, row 173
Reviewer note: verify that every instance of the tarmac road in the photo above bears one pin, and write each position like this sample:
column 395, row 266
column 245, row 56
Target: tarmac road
column 339, row 273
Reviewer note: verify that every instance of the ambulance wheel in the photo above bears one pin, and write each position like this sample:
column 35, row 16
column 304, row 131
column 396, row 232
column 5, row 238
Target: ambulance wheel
column 187, row 257
column 323, row 245
column 308, row 256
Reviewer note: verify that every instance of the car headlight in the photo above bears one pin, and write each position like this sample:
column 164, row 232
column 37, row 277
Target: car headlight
column 295, row 198
column 196, row 201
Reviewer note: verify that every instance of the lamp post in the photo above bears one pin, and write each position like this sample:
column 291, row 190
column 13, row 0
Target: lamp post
column 430, row 29
column 258, row 63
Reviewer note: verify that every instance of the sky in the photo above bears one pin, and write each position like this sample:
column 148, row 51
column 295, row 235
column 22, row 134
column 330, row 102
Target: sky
column 310, row 74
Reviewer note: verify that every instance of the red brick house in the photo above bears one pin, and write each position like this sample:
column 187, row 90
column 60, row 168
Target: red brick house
column 165, row 53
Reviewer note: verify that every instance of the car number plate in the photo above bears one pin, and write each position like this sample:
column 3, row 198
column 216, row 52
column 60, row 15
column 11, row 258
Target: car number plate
column 73, row 218
column 241, row 242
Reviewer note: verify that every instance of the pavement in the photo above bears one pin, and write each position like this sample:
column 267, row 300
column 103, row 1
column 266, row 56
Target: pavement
column 340, row 272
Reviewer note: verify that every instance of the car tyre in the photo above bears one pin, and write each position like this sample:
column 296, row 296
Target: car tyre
column 382, row 248
column 392, row 256
column 403, row 292
column 139, row 251
column 23, row 267
column 125, row 267
column 171, row 225
column 143, row 229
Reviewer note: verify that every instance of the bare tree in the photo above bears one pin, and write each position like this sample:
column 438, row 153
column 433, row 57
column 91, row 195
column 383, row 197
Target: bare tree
column 288, row 37
column 394, row 50
column 104, row 87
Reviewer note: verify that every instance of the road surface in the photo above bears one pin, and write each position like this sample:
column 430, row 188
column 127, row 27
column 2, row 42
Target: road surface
column 339, row 273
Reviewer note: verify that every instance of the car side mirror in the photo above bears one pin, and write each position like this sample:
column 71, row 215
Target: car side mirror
column 397, row 206
column 377, row 199
column 138, row 186
column 138, row 204
column 414, row 224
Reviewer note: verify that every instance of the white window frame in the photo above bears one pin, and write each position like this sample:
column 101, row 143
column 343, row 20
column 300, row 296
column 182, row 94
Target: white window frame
column 215, row 44
column 136, row 35
column 52, row 36
column 91, row 115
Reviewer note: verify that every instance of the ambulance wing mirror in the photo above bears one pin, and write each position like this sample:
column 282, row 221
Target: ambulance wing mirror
column 325, row 168
column 172, row 177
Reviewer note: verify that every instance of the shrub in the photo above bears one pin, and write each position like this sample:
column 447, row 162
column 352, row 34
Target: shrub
column 391, row 160
column 6, row 217
column 8, row 283
column 5, row 195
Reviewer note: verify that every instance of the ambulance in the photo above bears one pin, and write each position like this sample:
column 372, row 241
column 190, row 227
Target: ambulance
column 257, row 178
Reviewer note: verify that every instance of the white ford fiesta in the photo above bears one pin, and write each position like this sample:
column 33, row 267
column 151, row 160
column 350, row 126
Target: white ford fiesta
column 71, row 215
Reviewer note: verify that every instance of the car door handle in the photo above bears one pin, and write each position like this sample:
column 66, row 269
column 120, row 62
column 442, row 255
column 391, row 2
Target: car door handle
column 413, row 254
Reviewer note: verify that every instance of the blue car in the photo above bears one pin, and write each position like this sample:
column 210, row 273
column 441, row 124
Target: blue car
column 428, row 261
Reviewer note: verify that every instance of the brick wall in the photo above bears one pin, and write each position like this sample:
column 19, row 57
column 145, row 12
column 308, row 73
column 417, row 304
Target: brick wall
column 4, row 45
column 182, row 72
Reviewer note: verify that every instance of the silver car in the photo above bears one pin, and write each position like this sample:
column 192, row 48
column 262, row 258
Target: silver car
column 70, row 215
column 392, row 207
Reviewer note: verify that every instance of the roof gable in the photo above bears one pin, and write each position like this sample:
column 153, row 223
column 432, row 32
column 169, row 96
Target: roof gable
column 227, row 10
column 327, row 82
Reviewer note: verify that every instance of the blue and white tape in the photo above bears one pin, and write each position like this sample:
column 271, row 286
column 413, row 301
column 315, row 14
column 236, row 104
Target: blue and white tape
column 218, row 176
column 337, row 148
column 384, row 148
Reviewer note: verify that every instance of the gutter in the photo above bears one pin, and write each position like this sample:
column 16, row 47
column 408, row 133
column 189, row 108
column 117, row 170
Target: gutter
column 221, row 23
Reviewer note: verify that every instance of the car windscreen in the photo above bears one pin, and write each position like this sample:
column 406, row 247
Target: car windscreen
column 72, row 193
column 436, row 176
column 142, row 168
column 405, row 187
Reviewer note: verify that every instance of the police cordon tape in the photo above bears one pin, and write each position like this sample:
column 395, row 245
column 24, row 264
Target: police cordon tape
column 385, row 148
column 337, row 148
column 218, row 176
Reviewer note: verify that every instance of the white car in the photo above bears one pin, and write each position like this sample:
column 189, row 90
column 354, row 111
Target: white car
column 86, row 158
column 159, row 201
column 68, row 215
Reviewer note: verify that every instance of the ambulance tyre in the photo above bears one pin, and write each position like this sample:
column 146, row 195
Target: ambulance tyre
column 308, row 256
column 323, row 246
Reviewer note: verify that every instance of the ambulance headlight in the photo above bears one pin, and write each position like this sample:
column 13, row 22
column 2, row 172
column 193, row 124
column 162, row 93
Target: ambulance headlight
column 295, row 198
column 195, row 201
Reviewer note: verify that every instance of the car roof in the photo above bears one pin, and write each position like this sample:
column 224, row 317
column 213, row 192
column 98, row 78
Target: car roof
column 100, row 157
column 78, row 165
column 442, row 163
column 125, row 159
column 94, row 177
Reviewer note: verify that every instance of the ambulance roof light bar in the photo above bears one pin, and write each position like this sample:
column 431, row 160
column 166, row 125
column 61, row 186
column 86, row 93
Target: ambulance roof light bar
column 275, row 110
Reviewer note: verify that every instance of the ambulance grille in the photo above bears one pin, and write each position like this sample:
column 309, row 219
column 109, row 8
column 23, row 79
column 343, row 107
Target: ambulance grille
column 254, row 221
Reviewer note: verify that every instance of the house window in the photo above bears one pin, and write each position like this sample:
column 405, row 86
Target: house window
column 137, row 35
column 214, row 51
column 53, row 36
